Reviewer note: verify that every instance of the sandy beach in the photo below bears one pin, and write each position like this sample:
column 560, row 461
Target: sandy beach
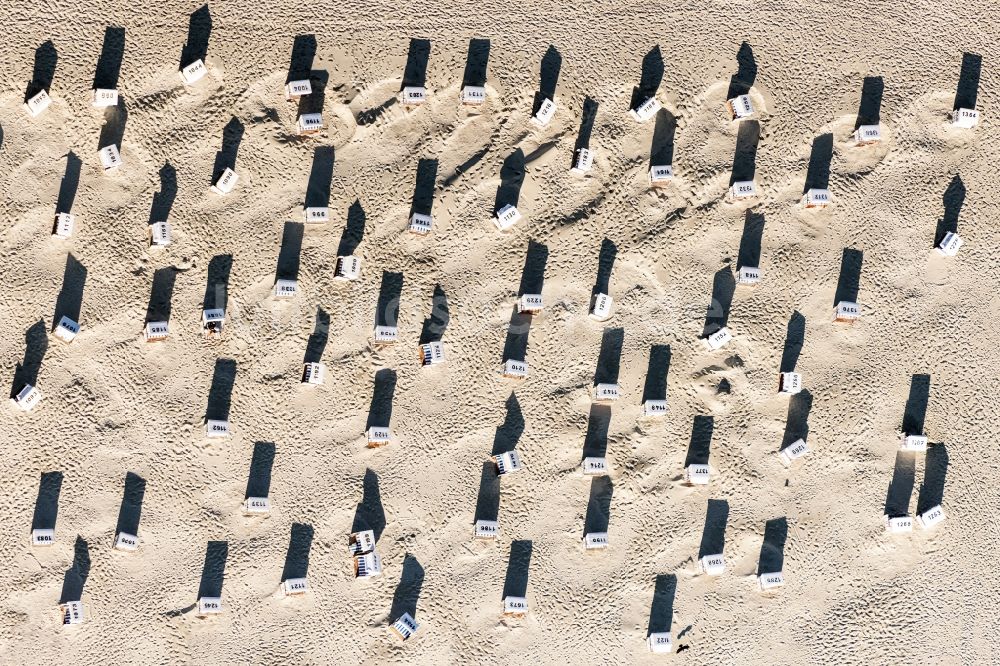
column 118, row 442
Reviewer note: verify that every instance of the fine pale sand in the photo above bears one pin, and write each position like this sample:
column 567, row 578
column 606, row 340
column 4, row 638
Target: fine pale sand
column 923, row 351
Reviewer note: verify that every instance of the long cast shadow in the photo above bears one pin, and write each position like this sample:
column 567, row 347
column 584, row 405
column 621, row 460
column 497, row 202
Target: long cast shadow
column 415, row 71
column 511, row 179
column 369, row 514
column 850, row 276
column 225, row 158
column 476, row 62
column 423, row 190
column 595, row 442
column 314, row 102
column 259, row 477
column 610, row 356
column 509, row 432
column 109, row 64
column 220, row 395
column 297, row 556
column 76, row 576
column 320, row 178
column 655, row 386
column 587, row 118
column 599, row 505
column 47, row 502
column 434, row 326
column 772, row 549
column 46, row 57
column 700, row 445
column 746, row 72
column 713, row 534
column 36, row 343
column 354, row 230
column 916, row 405
column 870, row 108
column 160, row 294
column 931, row 491
column 113, row 129
column 723, row 288
column 290, row 254
column 213, row 571
column 515, row 584
column 605, row 264
column 217, row 283
column 301, row 61
column 548, row 77
column 968, row 81
column 380, row 409
column 389, row 294
column 404, row 599
column 897, row 497
column 661, row 612
column 820, row 157
column 199, row 30
column 70, row 298
column 954, row 197
column 794, row 340
column 750, row 241
column 745, row 156
column 515, row 346
column 651, row 77
column 533, row 273
column 661, row 149
column 488, row 499
column 69, row 184
column 797, row 422
column 130, row 510
column 163, row 200
column 320, row 335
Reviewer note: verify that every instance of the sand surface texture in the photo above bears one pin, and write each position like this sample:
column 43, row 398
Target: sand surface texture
column 118, row 443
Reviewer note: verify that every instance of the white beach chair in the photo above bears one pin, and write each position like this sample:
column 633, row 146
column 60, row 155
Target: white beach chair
column 847, row 312
column 595, row 466
column 67, row 329
column 506, row 217
column 64, row 225
column 105, row 97
column 226, row 181
column 194, row 72
column 38, row 103
column 793, row 451
column 740, row 107
column 660, row 175
column 583, row 161
column 545, row 113
column 514, row 369
column 111, row 159
column 696, row 474
column 432, row 353
column 420, row 224
column 156, row 331
column 645, row 110
column 313, row 373
column 286, row 288
column 348, row 268
column 507, row 462
column 595, row 540
column 216, row 428
column 601, row 310
column 789, row 383
column 713, row 565
column 126, row 542
column 27, row 398
column 486, row 529
column 718, row 340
